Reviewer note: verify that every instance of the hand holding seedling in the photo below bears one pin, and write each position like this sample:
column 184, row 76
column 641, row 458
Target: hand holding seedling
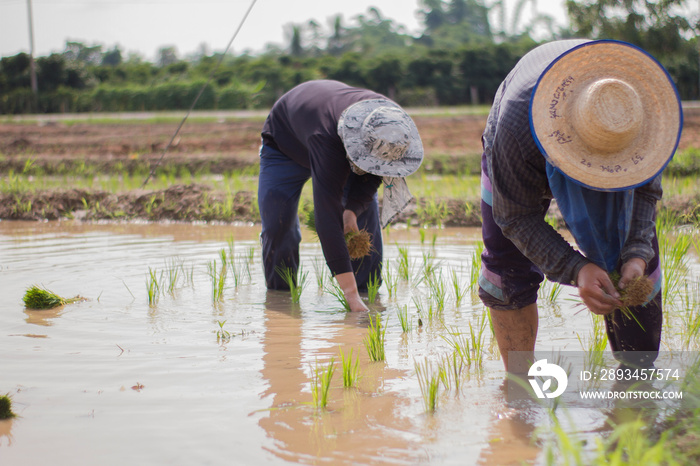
column 597, row 290
column 349, row 222
column 631, row 270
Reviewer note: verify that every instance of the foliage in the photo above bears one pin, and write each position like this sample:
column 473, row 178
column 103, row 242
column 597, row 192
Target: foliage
column 456, row 59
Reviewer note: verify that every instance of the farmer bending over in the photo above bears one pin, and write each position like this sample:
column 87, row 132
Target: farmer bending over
column 348, row 141
column 591, row 124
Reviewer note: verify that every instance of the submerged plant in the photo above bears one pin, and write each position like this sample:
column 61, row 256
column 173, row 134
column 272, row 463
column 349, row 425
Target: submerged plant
column 218, row 279
column 153, row 286
column 391, row 280
column 404, row 319
column 373, row 285
column 404, row 264
column 295, row 282
column 222, row 336
column 457, row 289
column 429, row 381
column 337, row 292
column 374, row 341
column 41, row 298
column 351, row 370
column 321, row 383
column 475, row 270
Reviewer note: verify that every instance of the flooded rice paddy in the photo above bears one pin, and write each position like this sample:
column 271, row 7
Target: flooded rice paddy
column 192, row 378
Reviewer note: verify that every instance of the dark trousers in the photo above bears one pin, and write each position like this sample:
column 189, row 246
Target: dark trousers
column 279, row 188
column 510, row 281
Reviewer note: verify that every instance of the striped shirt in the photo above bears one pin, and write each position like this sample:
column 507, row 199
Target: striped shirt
column 521, row 193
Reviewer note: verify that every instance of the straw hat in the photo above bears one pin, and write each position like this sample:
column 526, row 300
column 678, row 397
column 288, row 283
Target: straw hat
column 607, row 115
column 380, row 138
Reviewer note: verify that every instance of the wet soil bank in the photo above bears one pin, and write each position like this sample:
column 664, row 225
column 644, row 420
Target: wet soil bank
column 88, row 148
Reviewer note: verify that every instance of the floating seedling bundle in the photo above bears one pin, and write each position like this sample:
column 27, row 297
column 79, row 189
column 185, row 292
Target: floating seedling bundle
column 41, row 298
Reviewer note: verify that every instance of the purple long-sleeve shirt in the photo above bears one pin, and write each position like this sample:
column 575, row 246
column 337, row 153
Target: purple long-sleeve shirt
column 516, row 168
column 303, row 125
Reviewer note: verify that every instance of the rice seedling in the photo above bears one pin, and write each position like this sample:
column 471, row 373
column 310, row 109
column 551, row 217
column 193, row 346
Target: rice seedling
column 6, row 407
column 475, row 269
column 153, row 287
column 174, row 269
column 334, row 289
column 428, row 313
column 391, row 280
column 296, row 282
column 690, row 317
column 402, row 314
column 429, row 382
column 375, row 339
column 405, row 267
column 351, row 370
column 594, row 346
column 458, row 291
column 218, row 279
column 250, row 254
column 635, row 293
column 320, row 271
column 222, row 335
column 432, row 212
column 373, row 287
column 429, row 265
column 452, row 365
column 673, row 248
column 321, row 383
column 359, row 243
column 470, row 347
column 438, row 292
column 550, row 291
column 41, row 298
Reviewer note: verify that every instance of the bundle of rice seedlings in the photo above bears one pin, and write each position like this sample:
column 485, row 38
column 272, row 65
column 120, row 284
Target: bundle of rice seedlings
column 359, row 243
column 41, row 298
column 6, row 407
column 637, row 291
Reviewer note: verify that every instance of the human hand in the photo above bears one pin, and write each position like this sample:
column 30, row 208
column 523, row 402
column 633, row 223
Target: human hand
column 347, row 283
column 596, row 290
column 631, row 269
column 349, row 222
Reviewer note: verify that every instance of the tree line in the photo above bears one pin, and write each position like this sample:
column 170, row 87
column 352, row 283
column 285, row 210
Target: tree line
column 458, row 58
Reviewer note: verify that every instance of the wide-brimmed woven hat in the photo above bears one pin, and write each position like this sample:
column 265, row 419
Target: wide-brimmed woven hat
column 607, row 115
column 381, row 138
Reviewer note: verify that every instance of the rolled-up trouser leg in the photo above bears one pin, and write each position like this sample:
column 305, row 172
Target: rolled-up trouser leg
column 370, row 267
column 643, row 337
column 279, row 188
column 508, row 279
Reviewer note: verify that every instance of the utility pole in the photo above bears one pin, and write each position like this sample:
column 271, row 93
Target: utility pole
column 32, row 66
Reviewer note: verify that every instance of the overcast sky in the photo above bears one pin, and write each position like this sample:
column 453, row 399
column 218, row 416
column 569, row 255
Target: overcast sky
column 144, row 26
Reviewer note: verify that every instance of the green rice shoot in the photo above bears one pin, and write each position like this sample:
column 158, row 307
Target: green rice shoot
column 41, row 298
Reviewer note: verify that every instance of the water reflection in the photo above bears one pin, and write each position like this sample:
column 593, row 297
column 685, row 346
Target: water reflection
column 360, row 425
column 42, row 317
column 6, row 432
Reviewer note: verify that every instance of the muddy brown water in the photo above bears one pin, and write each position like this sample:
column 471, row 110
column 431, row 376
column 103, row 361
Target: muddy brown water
column 114, row 381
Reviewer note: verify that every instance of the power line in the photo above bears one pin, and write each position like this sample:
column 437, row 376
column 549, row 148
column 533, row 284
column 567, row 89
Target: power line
column 211, row 76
